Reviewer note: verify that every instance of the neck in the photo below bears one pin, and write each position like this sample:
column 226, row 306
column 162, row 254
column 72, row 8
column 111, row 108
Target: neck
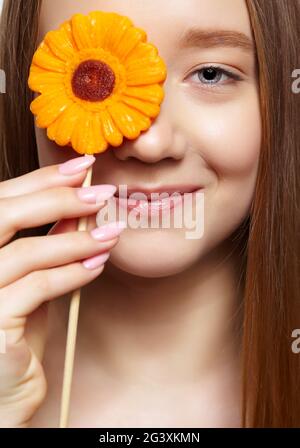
column 175, row 328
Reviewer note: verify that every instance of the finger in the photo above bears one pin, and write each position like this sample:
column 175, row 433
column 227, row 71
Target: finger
column 35, row 331
column 21, row 298
column 48, row 206
column 26, row 255
column 45, row 177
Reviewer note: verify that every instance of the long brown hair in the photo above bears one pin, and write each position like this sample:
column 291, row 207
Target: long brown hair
column 271, row 305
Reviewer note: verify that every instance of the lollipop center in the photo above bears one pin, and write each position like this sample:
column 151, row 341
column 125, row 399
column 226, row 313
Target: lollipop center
column 93, row 80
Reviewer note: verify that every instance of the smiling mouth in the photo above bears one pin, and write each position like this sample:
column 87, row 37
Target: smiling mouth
column 154, row 193
column 153, row 200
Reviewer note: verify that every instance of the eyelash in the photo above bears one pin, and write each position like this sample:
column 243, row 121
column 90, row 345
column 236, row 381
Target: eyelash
column 233, row 76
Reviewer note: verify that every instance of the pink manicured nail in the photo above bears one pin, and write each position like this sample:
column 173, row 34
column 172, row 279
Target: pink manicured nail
column 97, row 261
column 96, row 193
column 75, row 166
column 108, row 231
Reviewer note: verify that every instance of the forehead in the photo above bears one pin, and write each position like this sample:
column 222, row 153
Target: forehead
column 163, row 20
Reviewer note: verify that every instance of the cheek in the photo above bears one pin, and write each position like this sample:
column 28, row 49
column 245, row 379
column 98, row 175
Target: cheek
column 227, row 138
column 232, row 139
column 227, row 135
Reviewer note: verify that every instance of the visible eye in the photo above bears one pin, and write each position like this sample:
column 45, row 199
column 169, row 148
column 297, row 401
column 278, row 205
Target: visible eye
column 213, row 75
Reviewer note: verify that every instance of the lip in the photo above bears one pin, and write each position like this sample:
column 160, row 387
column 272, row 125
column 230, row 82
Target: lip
column 148, row 190
column 156, row 206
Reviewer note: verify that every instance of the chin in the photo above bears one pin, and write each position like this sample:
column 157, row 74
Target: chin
column 155, row 256
column 152, row 269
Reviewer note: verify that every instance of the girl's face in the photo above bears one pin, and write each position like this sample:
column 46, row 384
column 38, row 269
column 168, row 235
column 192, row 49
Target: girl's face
column 207, row 134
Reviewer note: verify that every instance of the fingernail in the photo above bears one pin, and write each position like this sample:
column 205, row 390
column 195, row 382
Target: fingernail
column 75, row 166
column 97, row 261
column 108, row 231
column 96, row 193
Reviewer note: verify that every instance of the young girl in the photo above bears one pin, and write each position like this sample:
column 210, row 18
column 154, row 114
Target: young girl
column 173, row 332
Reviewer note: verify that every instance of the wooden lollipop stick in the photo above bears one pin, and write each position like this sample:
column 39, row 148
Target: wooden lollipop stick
column 72, row 332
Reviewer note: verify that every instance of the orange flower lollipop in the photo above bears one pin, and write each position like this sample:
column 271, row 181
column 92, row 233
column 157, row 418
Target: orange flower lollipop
column 99, row 81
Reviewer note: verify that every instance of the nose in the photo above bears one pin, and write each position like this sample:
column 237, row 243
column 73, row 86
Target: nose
column 159, row 142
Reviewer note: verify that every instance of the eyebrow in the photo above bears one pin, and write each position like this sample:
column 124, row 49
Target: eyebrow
column 196, row 37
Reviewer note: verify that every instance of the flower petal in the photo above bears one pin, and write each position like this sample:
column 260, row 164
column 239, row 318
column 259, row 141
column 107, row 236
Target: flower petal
column 110, row 131
column 87, row 137
column 130, row 39
column 41, row 80
column 77, row 133
column 60, row 44
column 51, row 130
column 144, row 50
column 81, row 31
column 117, row 30
column 66, row 124
column 100, row 23
column 44, row 58
column 67, row 28
column 149, row 109
column 129, row 121
column 50, row 112
column 44, row 99
column 146, row 71
column 101, row 143
column 152, row 93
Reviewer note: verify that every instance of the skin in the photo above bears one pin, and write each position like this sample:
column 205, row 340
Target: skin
column 156, row 343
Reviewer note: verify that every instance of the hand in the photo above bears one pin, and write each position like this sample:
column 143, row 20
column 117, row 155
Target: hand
column 35, row 270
